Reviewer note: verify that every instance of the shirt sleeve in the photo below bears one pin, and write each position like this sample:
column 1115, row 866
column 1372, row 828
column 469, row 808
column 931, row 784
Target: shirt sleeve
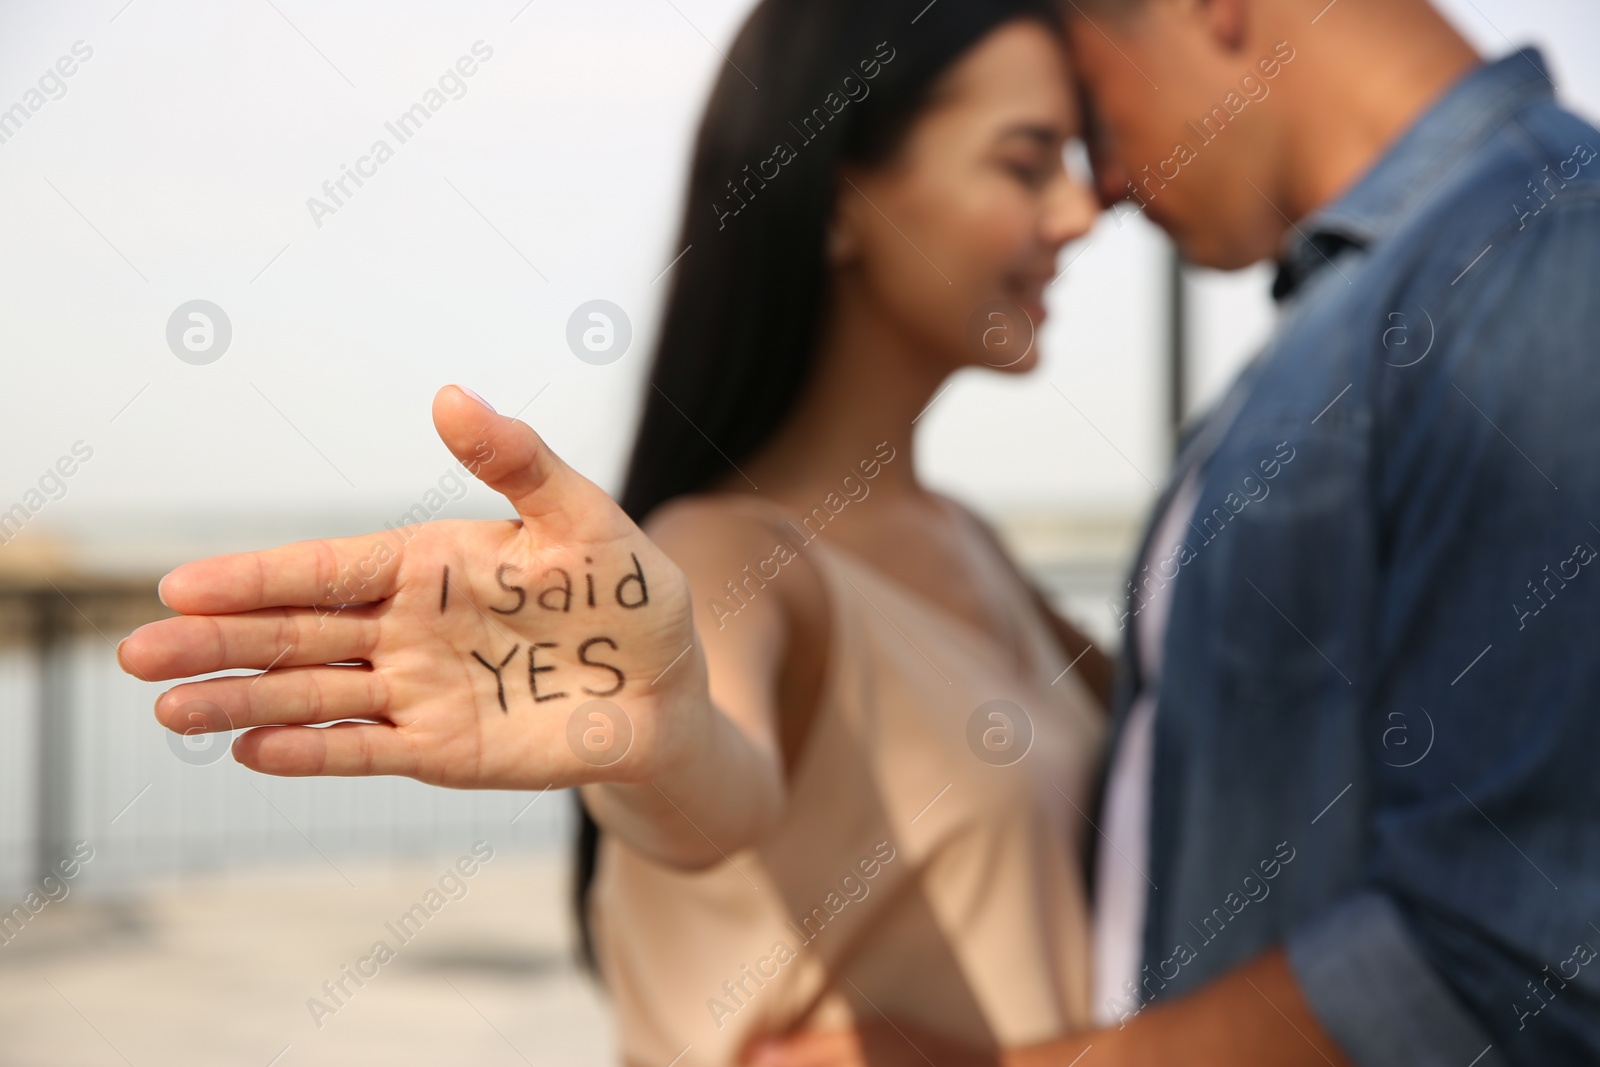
column 1473, row 937
column 1378, row 996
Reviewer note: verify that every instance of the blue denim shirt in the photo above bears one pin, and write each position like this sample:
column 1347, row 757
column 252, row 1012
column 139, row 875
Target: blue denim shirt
column 1378, row 729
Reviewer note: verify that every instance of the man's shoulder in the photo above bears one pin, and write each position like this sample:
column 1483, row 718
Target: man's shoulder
column 1543, row 160
column 1546, row 159
column 1545, row 130
column 1507, row 245
column 1511, row 201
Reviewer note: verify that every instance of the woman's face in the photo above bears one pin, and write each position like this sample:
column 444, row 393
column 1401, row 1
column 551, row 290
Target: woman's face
column 956, row 238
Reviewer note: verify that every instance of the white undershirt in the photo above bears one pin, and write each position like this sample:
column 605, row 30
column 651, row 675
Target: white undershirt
column 1120, row 874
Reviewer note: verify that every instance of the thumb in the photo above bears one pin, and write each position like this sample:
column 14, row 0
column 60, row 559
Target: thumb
column 508, row 456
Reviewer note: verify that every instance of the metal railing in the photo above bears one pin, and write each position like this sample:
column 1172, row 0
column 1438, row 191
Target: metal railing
column 83, row 760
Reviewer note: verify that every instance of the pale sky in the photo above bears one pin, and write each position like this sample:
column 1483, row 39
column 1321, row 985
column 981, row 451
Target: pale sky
column 177, row 164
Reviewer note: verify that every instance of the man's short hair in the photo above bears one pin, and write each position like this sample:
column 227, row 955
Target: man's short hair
column 1102, row 7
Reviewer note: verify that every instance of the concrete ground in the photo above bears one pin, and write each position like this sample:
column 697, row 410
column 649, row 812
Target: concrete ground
column 219, row 970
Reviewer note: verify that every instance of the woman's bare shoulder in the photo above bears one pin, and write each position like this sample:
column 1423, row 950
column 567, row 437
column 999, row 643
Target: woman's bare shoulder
column 710, row 523
column 741, row 566
column 719, row 538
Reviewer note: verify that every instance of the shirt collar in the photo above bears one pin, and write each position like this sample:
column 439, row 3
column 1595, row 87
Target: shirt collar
column 1414, row 166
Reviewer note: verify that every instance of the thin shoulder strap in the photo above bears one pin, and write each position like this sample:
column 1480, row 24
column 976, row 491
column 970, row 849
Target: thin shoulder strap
column 991, row 551
column 992, row 557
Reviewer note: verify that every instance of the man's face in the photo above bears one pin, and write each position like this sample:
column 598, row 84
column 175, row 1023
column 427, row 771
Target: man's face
column 1185, row 122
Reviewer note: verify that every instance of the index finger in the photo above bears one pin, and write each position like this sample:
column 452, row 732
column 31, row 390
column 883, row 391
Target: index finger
column 321, row 573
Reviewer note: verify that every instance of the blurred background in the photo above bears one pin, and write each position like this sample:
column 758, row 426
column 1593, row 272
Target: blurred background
column 178, row 164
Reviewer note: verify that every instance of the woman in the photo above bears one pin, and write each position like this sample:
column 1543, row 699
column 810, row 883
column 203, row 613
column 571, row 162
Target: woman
column 837, row 745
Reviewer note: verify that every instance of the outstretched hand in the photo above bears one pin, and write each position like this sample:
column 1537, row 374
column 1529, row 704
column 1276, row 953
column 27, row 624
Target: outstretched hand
column 551, row 650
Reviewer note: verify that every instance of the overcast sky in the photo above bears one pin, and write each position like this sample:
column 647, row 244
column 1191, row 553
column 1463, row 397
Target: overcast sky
column 177, row 163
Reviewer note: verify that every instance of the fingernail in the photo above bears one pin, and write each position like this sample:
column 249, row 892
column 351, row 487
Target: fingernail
column 161, row 594
column 476, row 397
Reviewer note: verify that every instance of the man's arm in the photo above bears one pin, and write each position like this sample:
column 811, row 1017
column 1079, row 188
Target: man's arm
column 1253, row 1015
column 1468, row 940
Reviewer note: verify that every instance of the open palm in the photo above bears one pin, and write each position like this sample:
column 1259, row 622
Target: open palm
column 550, row 650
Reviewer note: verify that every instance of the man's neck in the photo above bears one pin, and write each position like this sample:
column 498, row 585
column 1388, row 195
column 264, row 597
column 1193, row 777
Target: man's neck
column 1366, row 75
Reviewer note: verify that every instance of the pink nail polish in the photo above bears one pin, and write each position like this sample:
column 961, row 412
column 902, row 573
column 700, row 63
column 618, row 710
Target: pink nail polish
column 476, row 397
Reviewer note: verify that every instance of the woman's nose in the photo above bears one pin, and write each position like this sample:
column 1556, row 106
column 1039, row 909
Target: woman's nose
column 1071, row 211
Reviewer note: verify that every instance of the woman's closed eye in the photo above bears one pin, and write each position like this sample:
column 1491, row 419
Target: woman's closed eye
column 1032, row 153
column 1035, row 171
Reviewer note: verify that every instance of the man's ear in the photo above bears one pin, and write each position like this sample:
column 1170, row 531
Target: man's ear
column 1228, row 20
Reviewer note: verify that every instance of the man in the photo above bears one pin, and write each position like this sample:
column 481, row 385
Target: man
column 1351, row 814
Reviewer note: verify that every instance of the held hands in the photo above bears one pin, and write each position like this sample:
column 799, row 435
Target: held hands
column 554, row 650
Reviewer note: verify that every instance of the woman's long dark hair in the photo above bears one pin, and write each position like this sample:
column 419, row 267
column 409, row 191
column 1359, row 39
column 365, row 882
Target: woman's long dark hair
column 809, row 84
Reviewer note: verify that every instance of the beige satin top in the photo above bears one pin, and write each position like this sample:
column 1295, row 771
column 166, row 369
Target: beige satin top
column 928, row 866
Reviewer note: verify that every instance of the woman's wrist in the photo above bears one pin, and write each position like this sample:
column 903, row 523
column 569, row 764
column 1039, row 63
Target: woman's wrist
column 713, row 793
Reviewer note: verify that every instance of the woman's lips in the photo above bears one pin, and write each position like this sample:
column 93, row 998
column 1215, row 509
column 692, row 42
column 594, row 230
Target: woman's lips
column 1028, row 294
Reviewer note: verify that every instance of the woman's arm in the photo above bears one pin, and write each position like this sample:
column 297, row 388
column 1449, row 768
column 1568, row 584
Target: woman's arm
column 736, row 775
column 553, row 651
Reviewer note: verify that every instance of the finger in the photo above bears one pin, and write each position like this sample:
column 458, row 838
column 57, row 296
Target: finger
column 199, row 644
column 300, row 696
column 346, row 749
column 509, row 457
column 326, row 573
